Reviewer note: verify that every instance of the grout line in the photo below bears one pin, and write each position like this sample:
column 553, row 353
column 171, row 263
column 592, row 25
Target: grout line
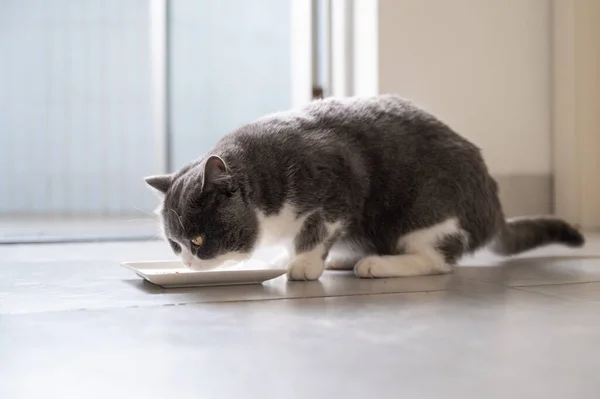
column 554, row 284
column 548, row 295
column 528, row 285
column 218, row 301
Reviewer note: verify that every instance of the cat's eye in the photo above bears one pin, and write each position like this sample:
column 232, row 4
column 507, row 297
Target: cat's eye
column 198, row 240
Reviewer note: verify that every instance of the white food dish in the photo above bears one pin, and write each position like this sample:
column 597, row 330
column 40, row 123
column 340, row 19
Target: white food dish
column 173, row 274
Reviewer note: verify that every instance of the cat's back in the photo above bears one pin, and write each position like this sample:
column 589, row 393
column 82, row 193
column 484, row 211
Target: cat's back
column 385, row 126
column 384, row 119
column 361, row 110
column 346, row 112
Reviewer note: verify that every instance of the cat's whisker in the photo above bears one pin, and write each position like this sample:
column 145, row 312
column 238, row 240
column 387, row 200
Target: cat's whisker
column 157, row 236
column 145, row 211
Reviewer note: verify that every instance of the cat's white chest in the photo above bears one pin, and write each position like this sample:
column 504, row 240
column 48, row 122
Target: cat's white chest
column 283, row 226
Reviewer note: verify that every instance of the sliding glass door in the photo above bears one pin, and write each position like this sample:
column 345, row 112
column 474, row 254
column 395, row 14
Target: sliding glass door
column 229, row 63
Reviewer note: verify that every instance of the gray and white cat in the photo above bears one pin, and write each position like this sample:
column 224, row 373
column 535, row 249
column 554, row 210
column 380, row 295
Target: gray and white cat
column 375, row 184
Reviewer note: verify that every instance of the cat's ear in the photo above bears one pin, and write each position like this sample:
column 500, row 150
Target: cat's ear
column 216, row 173
column 160, row 183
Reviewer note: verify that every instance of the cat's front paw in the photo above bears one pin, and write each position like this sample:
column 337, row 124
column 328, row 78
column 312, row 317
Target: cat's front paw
column 305, row 269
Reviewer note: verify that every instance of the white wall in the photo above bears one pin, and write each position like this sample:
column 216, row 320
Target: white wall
column 481, row 66
column 577, row 111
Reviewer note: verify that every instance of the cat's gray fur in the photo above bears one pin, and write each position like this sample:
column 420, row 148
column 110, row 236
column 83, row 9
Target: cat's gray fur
column 381, row 165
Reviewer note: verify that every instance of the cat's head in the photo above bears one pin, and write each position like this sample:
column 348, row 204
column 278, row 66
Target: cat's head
column 204, row 216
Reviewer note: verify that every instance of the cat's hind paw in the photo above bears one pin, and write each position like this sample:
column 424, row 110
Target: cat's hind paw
column 370, row 267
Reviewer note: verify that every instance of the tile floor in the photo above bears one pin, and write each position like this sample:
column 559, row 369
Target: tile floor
column 73, row 324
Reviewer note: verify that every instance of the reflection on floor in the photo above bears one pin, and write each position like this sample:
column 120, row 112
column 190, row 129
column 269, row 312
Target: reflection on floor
column 75, row 324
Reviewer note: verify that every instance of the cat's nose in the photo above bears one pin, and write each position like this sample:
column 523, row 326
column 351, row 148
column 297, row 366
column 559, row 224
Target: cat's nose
column 188, row 264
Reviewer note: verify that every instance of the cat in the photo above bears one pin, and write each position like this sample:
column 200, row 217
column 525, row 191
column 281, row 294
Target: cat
column 377, row 185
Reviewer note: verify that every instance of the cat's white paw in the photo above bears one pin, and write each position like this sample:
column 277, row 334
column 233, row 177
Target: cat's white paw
column 400, row 266
column 340, row 263
column 371, row 267
column 305, row 269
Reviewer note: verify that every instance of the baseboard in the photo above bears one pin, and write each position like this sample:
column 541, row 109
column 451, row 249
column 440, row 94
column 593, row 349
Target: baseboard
column 524, row 195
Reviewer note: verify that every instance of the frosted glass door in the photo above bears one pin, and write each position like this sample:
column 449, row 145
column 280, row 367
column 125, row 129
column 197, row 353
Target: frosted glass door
column 75, row 114
column 229, row 63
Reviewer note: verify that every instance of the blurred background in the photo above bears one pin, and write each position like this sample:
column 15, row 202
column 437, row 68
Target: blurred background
column 97, row 94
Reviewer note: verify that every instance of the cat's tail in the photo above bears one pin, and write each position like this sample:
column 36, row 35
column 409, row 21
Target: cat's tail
column 516, row 236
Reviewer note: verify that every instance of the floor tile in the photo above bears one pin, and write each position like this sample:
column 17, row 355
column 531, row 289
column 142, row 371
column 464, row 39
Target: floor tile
column 528, row 271
column 589, row 292
column 40, row 287
column 442, row 344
